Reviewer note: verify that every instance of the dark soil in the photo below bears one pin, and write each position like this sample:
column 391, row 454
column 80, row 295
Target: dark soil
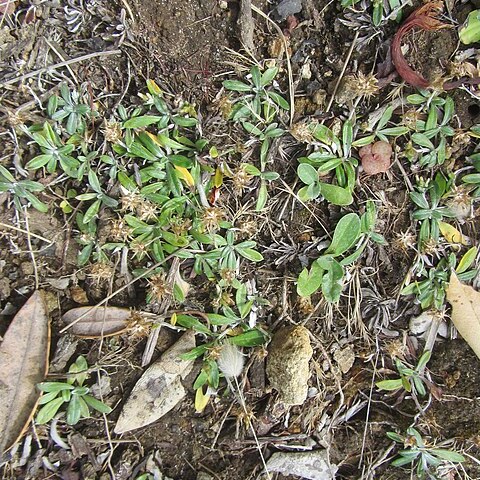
column 182, row 45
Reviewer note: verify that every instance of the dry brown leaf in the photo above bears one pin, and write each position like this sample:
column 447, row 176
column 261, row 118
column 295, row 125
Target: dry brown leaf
column 159, row 388
column 465, row 303
column 24, row 363
column 101, row 321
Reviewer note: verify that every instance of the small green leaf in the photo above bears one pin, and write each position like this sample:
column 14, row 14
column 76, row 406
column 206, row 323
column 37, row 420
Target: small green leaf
column 467, row 260
column 347, row 233
column 335, row 194
column 54, row 386
column 96, row 404
column 422, row 140
column 470, row 31
column 188, row 321
column 140, row 122
column 389, row 385
column 307, row 173
column 309, row 282
column 279, row 100
column 92, row 211
column 47, row 412
column 249, row 254
column 250, row 338
column 236, row 86
column 268, row 76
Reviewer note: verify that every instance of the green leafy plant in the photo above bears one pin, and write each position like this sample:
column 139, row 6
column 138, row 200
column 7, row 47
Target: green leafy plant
column 381, row 131
column 420, row 455
column 21, row 190
column 430, row 211
column 411, row 379
column 258, row 109
column 68, row 106
column 327, row 272
column 430, row 138
column 315, row 188
column 431, row 281
column 472, row 180
column 331, row 155
column 73, row 393
column 54, row 151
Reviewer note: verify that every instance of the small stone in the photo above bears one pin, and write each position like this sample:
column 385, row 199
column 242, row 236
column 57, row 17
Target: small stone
column 345, row 358
column 288, row 359
column 314, row 465
column 27, row 268
column 286, row 8
column 376, row 158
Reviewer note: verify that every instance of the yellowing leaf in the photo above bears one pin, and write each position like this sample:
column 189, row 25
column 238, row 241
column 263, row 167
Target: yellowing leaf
column 465, row 263
column 153, row 88
column 23, row 360
column 218, row 179
column 185, row 175
column 201, row 400
column 173, row 319
column 465, row 302
column 153, row 137
column 213, row 152
column 451, row 234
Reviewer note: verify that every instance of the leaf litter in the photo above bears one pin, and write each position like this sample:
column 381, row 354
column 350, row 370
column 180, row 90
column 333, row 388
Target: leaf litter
column 24, row 360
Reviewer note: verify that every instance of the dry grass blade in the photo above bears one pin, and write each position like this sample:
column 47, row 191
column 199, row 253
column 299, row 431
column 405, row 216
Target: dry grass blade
column 24, row 361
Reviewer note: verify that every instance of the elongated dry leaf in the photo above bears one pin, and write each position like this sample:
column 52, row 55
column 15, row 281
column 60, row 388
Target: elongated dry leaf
column 465, row 303
column 24, row 363
column 159, row 388
column 102, row 321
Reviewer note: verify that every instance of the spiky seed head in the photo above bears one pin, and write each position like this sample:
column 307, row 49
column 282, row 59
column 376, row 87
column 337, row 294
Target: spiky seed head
column 112, row 131
column 211, row 218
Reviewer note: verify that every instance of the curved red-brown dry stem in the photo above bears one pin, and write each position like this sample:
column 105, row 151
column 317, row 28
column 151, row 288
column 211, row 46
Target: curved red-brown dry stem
column 423, row 18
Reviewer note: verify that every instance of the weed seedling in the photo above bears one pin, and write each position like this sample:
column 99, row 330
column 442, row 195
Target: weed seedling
column 420, row 455
column 73, row 393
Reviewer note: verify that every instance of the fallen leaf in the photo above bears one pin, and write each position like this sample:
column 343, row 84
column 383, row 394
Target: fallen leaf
column 159, row 388
column 465, row 302
column 100, row 322
column 201, row 400
column 24, row 361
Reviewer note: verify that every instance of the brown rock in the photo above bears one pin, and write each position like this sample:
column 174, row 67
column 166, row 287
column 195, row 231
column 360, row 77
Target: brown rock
column 288, row 359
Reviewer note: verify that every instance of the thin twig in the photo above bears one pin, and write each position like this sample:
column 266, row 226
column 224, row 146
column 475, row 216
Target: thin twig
column 21, row 230
column 291, row 88
column 347, row 60
column 82, row 58
column 30, row 249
